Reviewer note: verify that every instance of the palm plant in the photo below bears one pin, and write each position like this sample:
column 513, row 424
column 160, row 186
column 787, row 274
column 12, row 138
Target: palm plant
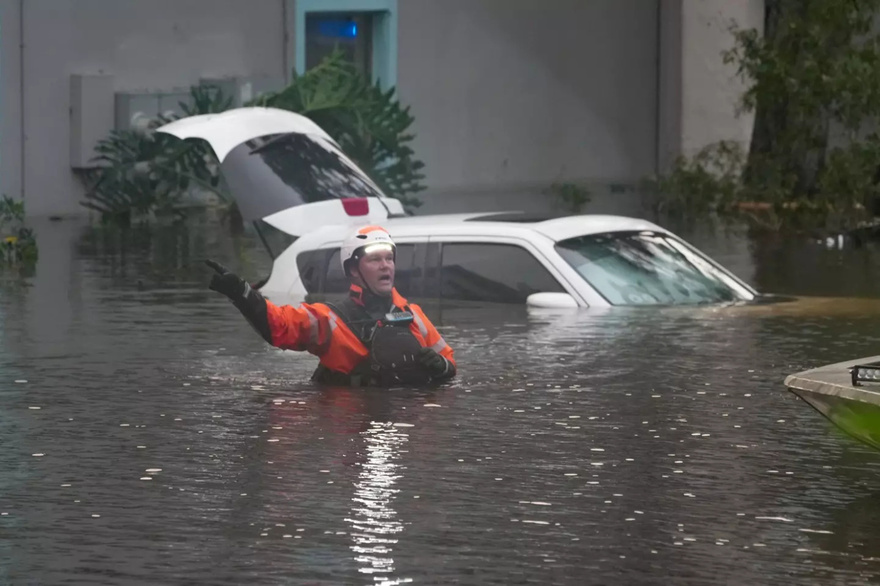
column 18, row 246
column 144, row 172
column 369, row 123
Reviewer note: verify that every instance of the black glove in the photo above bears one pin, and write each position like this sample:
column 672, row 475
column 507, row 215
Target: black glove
column 435, row 364
column 248, row 301
column 226, row 282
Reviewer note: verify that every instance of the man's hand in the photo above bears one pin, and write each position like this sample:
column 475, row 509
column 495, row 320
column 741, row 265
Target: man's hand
column 226, row 282
column 435, row 364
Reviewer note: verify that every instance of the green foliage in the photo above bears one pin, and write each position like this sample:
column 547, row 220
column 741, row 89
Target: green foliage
column 11, row 211
column 18, row 247
column 571, row 196
column 143, row 172
column 206, row 99
column 703, row 185
column 369, row 124
column 819, row 56
column 814, row 87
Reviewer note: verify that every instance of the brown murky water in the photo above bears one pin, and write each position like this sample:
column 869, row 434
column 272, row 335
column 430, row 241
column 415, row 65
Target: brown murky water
column 149, row 436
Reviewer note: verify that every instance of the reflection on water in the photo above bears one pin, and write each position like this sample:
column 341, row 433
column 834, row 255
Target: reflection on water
column 374, row 521
column 150, row 436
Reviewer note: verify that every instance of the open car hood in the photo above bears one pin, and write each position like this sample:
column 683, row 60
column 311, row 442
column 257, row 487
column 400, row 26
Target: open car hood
column 282, row 168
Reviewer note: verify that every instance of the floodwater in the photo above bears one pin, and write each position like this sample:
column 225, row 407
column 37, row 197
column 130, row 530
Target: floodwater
column 149, row 436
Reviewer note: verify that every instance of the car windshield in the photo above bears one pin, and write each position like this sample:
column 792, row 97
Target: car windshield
column 649, row 268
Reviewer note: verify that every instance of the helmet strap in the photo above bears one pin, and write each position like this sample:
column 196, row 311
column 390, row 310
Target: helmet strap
column 364, row 284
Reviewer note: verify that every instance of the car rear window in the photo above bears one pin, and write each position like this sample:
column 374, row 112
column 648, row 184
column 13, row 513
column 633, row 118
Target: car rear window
column 280, row 171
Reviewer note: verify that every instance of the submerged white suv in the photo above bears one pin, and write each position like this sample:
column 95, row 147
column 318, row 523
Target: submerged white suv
column 585, row 261
column 292, row 181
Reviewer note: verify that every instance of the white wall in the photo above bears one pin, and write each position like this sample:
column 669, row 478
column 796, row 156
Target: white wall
column 710, row 89
column 155, row 45
column 10, row 99
column 510, row 95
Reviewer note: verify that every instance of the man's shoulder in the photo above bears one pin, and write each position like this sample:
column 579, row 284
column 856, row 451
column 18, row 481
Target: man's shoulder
column 322, row 307
column 417, row 309
column 345, row 309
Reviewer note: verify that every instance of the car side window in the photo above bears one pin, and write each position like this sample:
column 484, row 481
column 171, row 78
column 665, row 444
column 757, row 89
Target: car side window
column 405, row 269
column 335, row 280
column 500, row 273
column 310, row 264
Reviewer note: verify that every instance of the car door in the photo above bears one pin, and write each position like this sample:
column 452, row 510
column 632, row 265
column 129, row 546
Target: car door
column 492, row 270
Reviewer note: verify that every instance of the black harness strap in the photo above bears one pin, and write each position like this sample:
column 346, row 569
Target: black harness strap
column 345, row 315
column 363, row 327
column 362, row 374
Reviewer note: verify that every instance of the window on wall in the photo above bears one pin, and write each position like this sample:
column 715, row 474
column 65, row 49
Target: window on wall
column 364, row 30
column 352, row 33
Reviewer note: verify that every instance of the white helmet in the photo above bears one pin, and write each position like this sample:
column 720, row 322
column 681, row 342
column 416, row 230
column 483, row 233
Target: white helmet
column 365, row 240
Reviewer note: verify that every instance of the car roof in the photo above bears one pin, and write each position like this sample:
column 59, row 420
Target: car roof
column 492, row 224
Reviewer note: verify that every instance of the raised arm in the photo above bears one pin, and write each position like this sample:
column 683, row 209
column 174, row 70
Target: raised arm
column 302, row 328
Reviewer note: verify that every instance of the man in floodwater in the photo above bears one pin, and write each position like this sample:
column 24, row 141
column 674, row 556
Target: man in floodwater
column 373, row 338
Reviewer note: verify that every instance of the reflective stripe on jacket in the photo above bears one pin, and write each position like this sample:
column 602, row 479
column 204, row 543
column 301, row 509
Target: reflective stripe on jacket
column 315, row 328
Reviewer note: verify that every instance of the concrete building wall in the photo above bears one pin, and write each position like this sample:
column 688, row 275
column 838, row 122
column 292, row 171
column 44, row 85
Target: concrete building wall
column 669, row 90
column 711, row 89
column 156, row 45
column 508, row 95
column 511, row 95
column 700, row 93
column 10, row 99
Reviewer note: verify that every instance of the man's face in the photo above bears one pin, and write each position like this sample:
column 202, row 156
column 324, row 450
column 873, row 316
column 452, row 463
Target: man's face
column 376, row 269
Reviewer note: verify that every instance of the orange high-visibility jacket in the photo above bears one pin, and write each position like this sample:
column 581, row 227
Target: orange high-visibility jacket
column 315, row 328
